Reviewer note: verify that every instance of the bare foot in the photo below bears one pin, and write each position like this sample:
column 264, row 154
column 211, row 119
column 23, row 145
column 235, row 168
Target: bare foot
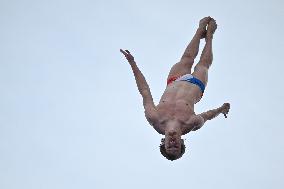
column 212, row 26
column 202, row 26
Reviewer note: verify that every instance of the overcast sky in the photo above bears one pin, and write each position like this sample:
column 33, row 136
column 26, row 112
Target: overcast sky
column 71, row 116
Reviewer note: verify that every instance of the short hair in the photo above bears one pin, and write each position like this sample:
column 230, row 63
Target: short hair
column 170, row 156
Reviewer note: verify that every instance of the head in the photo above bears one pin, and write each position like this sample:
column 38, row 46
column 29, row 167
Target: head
column 172, row 146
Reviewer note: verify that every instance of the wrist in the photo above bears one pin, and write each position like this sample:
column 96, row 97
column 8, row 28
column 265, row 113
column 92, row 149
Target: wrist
column 220, row 109
column 200, row 32
column 132, row 63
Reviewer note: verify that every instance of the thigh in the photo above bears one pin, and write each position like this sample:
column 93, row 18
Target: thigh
column 180, row 68
column 201, row 73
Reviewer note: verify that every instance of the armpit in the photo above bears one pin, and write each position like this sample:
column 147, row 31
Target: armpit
column 150, row 120
column 153, row 121
column 198, row 122
column 151, row 117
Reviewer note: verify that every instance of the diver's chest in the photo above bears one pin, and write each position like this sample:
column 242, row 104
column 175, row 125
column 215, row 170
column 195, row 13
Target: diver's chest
column 175, row 111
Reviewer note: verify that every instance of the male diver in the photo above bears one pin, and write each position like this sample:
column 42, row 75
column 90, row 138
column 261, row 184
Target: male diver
column 174, row 116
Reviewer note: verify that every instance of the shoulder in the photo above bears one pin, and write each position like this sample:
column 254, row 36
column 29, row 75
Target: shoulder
column 194, row 123
column 151, row 115
column 154, row 120
column 198, row 119
column 197, row 122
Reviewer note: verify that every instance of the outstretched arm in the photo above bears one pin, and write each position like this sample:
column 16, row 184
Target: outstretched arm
column 143, row 87
column 205, row 116
column 224, row 109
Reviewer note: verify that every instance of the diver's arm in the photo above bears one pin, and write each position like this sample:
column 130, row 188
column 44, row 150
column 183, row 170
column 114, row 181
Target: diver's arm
column 143, row 88
column 205, row 116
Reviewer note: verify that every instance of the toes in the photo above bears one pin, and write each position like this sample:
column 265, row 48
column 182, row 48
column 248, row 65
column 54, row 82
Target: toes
column 204, row 21
column 213, row 21
column 208, row 18
column 212, row 25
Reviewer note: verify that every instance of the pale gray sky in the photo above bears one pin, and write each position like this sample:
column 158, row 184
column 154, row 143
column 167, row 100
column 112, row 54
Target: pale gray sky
column 71, row 115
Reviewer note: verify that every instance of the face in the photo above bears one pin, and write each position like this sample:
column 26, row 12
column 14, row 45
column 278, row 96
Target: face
column 173, row 144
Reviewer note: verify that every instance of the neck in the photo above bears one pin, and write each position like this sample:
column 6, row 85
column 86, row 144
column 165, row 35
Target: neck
column 173, row 129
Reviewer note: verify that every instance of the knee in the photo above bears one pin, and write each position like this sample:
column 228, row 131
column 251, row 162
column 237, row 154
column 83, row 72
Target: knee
column 201, row 67
column 206, row 60
column 187, row 60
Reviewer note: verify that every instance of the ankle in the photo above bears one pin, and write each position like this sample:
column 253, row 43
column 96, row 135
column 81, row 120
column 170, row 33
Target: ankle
column 201, row 33
column 208, row 37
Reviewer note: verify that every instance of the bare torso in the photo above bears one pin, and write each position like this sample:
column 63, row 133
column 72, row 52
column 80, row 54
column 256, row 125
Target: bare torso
column 177, row 105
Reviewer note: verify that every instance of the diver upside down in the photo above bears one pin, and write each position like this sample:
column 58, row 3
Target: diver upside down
column 174, row 116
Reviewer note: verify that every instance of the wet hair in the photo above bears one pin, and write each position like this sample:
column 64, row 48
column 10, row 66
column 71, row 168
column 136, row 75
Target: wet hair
column 170, row 156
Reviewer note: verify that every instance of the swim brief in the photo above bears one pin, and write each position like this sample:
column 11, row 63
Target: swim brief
column 189, row 78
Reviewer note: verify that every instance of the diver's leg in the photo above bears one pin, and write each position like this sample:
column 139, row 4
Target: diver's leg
column 191, row 51
column 201, row 69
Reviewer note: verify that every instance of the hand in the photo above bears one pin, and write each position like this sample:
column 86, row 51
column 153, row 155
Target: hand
column 127, row 55
column 225, row 109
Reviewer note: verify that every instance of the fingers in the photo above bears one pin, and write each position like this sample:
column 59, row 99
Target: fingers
column 226, row 108
column 123, row 52
column 127, row 55
column 126, row 52
column 227, row 105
